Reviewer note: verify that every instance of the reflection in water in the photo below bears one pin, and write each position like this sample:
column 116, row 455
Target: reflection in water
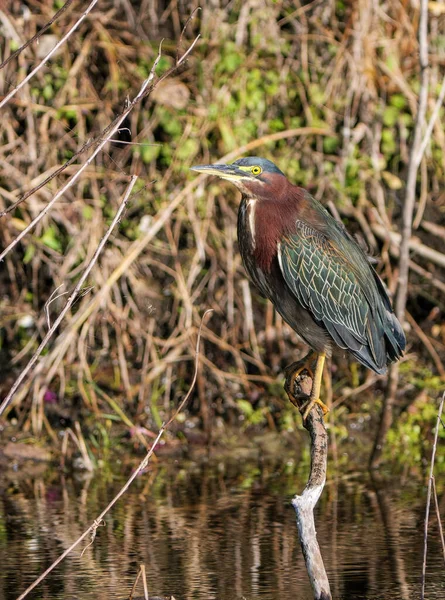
column 221, row 531
column 391, row 526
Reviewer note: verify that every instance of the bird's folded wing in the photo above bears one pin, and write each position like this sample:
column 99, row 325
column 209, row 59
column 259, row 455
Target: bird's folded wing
column 325, row 284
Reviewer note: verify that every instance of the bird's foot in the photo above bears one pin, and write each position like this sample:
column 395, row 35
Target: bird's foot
column 294, row 371
column 306, row 408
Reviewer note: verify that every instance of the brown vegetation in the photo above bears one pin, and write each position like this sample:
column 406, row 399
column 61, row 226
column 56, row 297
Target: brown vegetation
column 329, row 95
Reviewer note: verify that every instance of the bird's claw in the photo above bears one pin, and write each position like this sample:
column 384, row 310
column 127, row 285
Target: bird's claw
column 309, row 405
column 293, row 374
column 294, row 371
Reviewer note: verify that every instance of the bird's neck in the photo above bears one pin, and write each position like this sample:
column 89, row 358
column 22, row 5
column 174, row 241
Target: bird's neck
column 269, row 220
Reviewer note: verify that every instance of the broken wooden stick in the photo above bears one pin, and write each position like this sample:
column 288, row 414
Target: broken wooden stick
column 304, row 504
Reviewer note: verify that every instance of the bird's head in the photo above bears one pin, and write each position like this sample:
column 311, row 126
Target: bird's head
column 253, row 176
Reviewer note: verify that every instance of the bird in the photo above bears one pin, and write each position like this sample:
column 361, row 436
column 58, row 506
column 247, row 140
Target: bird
column 314, row 272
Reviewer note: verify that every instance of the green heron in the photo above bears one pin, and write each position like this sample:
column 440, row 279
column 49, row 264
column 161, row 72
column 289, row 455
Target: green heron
column 313, row 271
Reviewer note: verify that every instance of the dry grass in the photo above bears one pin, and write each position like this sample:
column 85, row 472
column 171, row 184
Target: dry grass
column 330, row 96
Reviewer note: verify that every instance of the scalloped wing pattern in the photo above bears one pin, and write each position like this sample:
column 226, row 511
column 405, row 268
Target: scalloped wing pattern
column 324, row 282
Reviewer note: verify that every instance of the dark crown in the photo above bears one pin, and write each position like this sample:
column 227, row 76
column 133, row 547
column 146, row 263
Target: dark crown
column 266, row 165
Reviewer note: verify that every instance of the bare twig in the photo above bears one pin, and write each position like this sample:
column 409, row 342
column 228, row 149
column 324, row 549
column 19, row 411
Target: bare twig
column 427, row 343
column 142, row 573
column 50, row 300
column 96, row 525
column 439, row 522
column 434, row 228
column 428, row 499
column 93, row 527
column 305, row 503
column 414, row 245
column 48, row 56
column 437, row 283
column 431, row 123
column 144, row 580
column 38, row 34
column 88, row 144
column 70, row 300
column 133, row 589
column 191, row 17
column 425, row 142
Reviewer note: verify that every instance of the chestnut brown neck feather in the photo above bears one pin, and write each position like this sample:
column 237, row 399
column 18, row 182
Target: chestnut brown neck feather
column 275, row 216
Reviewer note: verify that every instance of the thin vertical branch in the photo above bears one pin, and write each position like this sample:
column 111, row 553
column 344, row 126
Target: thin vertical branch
column 144, row 581
column 428, row 498
column 133, row 589
column 439, row 522
column 414, row 163
column 431, row 122
column 70, row 300
column 407, row 225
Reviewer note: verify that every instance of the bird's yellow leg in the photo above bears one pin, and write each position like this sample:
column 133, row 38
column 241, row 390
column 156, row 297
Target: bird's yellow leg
column 316, row 388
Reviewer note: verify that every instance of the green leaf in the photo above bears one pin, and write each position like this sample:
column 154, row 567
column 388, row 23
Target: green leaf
column 188, row 149
column 231, row 62
column 29, row 253
column 50, row 240
column 245, row 407
column 390, row 115
column 87, row 212
column 398, row 101
column 148, row 152
column 48, row 91
column 330, row 144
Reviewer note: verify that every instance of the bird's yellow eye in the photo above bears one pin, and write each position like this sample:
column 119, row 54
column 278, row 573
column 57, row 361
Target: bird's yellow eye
column 256, row 170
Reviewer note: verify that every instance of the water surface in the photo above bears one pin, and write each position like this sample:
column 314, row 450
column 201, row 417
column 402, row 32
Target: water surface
column 217, row 530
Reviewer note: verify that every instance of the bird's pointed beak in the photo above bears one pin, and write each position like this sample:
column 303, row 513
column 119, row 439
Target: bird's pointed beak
column 230, row 172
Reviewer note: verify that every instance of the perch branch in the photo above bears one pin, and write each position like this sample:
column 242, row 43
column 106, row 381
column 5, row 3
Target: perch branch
column 305, row 503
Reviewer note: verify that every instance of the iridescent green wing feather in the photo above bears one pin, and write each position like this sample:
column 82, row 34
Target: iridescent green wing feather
column 323, row 281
